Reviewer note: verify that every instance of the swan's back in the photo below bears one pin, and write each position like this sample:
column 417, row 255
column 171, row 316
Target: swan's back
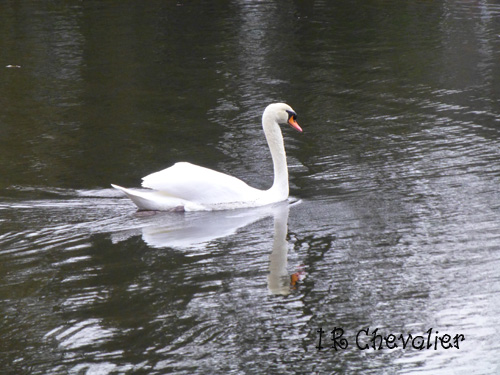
column 201, row 185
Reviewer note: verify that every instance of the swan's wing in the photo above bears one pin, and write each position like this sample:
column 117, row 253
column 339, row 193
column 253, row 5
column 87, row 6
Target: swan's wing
column 198, row 184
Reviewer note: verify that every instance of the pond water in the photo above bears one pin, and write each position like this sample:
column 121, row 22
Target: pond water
column 393, row 222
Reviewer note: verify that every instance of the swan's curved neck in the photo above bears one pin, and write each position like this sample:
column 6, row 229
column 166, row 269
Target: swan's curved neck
column 275, row 141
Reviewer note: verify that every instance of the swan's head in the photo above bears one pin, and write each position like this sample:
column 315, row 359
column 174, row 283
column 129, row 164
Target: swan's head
column 283, row 114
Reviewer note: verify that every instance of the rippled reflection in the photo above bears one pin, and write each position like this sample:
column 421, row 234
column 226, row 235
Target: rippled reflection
column 194, row 231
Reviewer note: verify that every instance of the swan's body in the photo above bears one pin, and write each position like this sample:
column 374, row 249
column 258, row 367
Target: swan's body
column 188, row 187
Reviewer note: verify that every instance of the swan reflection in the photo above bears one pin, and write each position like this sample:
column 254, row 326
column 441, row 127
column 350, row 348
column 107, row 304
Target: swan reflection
column 278, row 280
column 196, row 230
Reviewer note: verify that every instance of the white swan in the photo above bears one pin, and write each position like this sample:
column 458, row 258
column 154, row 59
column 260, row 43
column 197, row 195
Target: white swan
column 188, row 187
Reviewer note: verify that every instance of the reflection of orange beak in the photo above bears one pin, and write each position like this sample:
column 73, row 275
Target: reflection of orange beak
column 297, row 276
column 293, row 124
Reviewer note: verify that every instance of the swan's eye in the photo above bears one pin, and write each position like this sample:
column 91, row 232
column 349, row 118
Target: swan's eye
column 291, row 115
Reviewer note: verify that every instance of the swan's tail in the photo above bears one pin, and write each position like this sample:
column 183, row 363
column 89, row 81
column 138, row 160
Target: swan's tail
column 151, row 200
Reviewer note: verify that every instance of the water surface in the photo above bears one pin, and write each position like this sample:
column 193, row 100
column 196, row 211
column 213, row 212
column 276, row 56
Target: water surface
column 394, row 217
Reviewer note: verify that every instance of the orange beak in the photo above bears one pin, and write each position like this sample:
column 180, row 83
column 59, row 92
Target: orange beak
column 293, row 124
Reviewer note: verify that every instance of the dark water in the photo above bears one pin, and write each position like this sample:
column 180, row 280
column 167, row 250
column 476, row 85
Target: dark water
column 395, row 221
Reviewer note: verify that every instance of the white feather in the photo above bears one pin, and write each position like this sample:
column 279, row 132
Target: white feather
column 198, row 184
